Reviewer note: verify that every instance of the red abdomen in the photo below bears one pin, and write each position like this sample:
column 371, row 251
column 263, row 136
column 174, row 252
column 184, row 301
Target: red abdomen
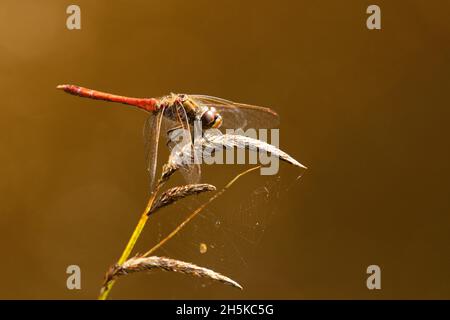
column 148, row 104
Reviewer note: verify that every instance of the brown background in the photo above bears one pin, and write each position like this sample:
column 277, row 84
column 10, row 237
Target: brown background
column 367, row 111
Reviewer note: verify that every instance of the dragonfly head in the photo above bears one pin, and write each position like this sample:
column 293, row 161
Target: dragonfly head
column 211, row 119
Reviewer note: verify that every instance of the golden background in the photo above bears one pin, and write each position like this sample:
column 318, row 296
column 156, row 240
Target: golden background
column 366, row 111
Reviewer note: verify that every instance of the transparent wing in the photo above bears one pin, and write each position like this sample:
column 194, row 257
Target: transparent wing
column 239, row 115
column 152, row 130
column 180, row 136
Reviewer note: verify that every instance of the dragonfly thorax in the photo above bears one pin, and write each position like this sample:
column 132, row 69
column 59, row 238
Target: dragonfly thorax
column 209, row 116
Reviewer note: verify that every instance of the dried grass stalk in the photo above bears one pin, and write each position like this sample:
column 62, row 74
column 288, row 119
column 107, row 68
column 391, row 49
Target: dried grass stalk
column 218, row 141
column 167, row 171
column 176, row 193
column 138, row 264
column 215, row 141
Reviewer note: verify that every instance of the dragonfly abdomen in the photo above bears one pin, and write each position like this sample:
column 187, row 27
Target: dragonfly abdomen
column 147, row 104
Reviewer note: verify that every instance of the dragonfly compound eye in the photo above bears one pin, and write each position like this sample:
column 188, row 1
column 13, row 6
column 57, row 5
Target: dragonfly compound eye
column 208, row 119
column 211, row 119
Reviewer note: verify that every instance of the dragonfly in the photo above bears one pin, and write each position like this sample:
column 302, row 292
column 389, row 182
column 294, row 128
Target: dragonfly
column 180, row 111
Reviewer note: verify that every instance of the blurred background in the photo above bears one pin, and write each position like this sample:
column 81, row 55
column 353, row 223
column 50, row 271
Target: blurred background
column 366, row 111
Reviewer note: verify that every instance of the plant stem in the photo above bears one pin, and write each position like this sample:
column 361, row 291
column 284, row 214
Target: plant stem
column 130, row 245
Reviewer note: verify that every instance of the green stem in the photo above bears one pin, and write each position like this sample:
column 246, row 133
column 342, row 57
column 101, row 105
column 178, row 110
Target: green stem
column 131, row 243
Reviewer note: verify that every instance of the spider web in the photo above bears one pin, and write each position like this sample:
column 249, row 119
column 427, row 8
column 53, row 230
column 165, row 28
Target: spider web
column 227, row 234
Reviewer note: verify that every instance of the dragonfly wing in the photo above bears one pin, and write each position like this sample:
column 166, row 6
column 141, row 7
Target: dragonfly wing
column 180, row 137
column 239, row 115
column 152, row 130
